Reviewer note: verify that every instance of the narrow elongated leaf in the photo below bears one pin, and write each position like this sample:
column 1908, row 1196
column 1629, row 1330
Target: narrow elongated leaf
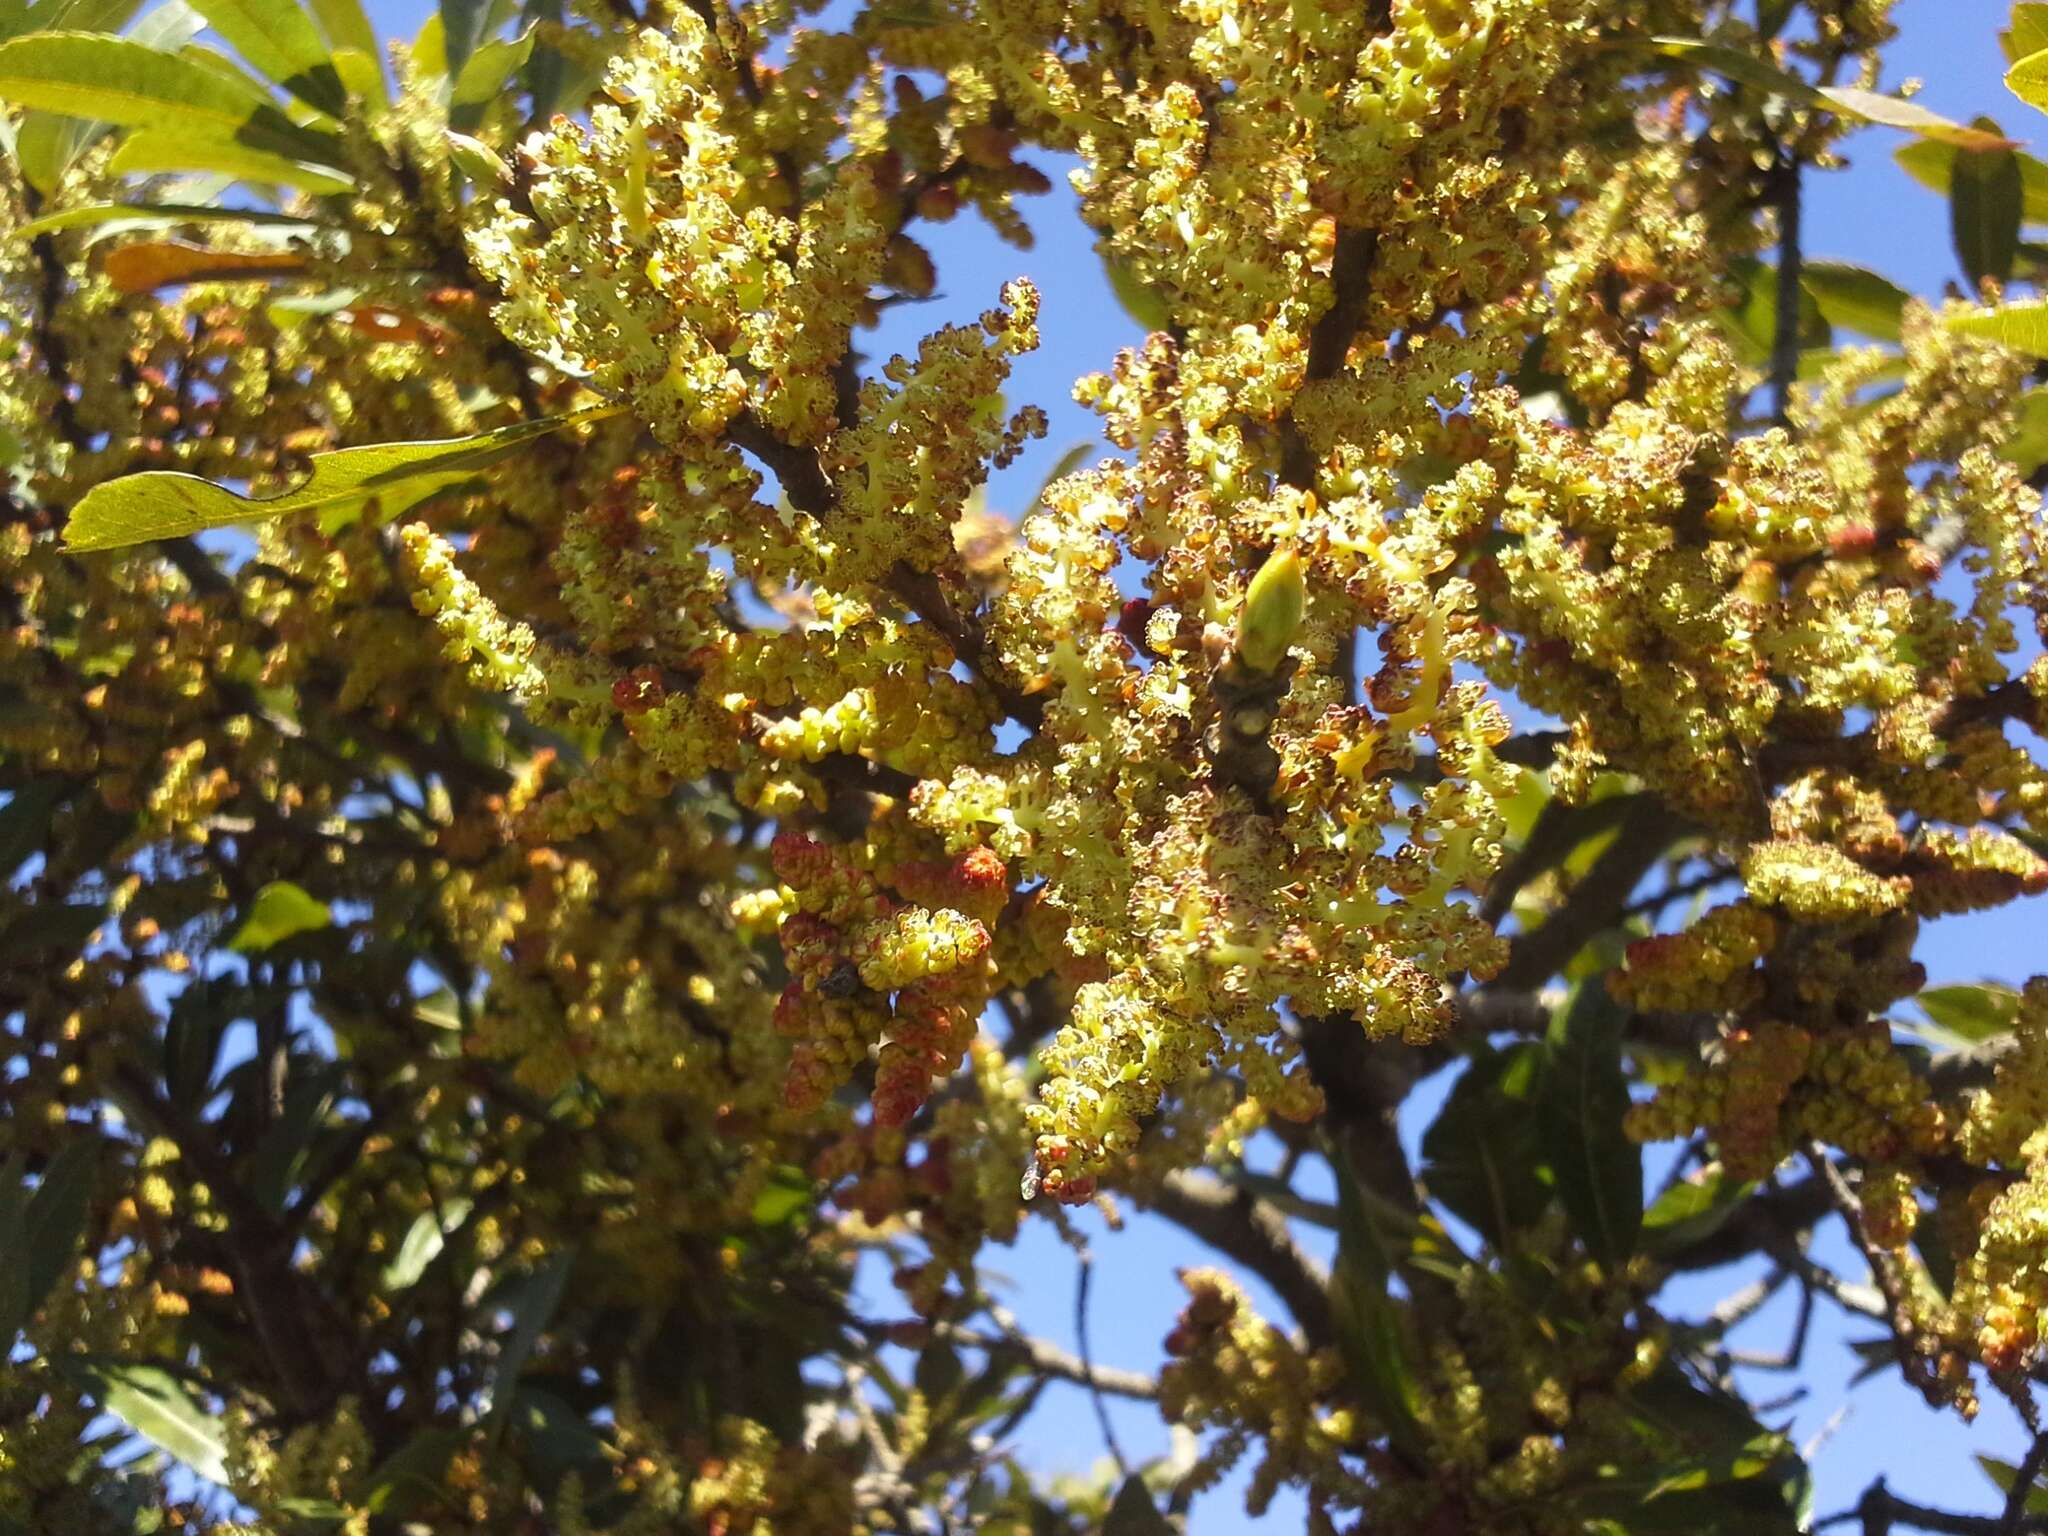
column 1599, row 1169
column 118, row 80
column 1984, row 211
column 25, row 821
column 346, row 25
column 538, row 1299
column 2023, row 327
column 56, row 1214
column 1368, row 1324
column 423, row 1243
column 46, row 144
column 95, row 15
column 279, row 1159
column 15, row 1302
column 148, row 153
column 486, row 71
column 362, row 77
column 1482, row 1154
column 167, row 263
column 155, row 216
column 2027, row 448
column 169, row 27
column 1139, row 299
column 547, row 71
column 1843, row 101
column 2004, row 1473
column 411, row 1475
column 154, row 1403
column 280, row 41
column 1977, row 1013
column 169, row 505
column 280, row 911
column 1855, row 298
column 1692, row 1210
column 121, row 81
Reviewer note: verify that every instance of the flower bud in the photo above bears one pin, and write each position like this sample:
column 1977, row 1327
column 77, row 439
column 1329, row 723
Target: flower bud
column 1272, row 612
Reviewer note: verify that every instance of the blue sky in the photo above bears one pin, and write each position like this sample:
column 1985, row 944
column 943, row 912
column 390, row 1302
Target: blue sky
column 1871, row 214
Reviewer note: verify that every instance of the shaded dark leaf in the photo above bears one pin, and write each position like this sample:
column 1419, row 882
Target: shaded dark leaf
column 1985, row 197
column 1598, row 1167
column 1132, row 1512
column 1484, row 1154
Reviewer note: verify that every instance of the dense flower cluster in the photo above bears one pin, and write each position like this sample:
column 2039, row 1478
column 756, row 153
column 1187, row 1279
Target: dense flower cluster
column 497, row 938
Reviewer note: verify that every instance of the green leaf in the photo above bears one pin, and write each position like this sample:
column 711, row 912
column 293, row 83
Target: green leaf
column 94, row 15
column 1483, row 1154
column 25, row 821
column 2028, row 79
column 362, row 77
column 1132, row 1512
column 118, row 80
column 2028, row 33
column 2027, row 448
column 1976, row 1013
column 558, row 1437
column 1368, row 1323
column 147, row 216
column 2023, row 327
column 145, row 152
column 486, row 71
column 538, row 1299
column 1843, row 101
column 1855, row 298
column 1139, row 299
column 786, row 1195
column 280, row 41
column 1753, row 325
column 346, row 26
column 1984, row 210
column 55, row 1219
column 412, row 1475
column 279, row 1158
column 57, row 927
column 166, row 504
column 1693, row 1209
column 280, row 911
column 15, row 1301
column 154, row 1403
column 44, row 147
column 2004, row 1473
column 423, row 1243
column 1599, row 1169
column 462, row 28
column 547, row 71
column 1933, row 166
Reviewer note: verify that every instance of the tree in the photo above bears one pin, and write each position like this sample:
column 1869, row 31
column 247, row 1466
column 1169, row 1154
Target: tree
column 546, row 816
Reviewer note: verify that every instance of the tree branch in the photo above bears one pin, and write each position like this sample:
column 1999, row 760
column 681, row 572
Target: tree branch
column 1255, row 1234
column 1596, row 902
column 1785, row 177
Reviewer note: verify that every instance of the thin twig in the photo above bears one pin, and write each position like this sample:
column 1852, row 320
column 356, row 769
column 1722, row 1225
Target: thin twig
column 2023, row 1479
column 1048, row 1359
column 1785, row 344
column 1086, row 1262
column 1880, row 1509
